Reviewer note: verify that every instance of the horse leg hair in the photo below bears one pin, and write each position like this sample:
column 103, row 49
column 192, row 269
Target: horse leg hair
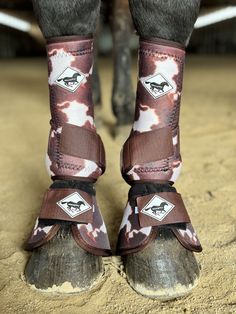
column 65, row 18
column 167, row 19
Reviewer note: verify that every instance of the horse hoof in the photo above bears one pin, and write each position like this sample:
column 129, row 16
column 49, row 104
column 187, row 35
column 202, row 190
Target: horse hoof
column 123, row 106
column 164, row 270
column 61, row 266
column 121, row 133
column 96, row 87
column 98, row 117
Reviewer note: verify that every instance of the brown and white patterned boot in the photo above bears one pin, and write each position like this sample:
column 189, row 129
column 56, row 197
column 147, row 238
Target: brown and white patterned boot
column 70, row 236
column 156, row 236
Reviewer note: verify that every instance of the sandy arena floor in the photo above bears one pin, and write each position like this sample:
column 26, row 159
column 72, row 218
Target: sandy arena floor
column 207, row 183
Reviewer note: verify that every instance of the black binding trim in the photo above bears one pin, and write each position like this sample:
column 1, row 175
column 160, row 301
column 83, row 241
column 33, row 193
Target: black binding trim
column 139, row 189
column 87, row 187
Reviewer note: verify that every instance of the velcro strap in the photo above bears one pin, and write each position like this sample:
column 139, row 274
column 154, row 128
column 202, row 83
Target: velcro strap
column 160, row 209
column 67, row 204
column 82, row 143
column 147, row 147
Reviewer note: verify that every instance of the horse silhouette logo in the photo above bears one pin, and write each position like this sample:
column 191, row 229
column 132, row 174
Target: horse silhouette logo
column 70, row 79
column 74, row 205
column 157, row 88
column 157, row 208
column 157, row 85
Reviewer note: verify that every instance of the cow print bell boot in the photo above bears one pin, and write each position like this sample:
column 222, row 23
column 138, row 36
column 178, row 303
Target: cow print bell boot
column 70, row 236
column 156, row 236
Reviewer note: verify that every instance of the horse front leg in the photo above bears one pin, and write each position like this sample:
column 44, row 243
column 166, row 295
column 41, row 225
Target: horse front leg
column 96, row 83
column 68, row 243
column 122, row 93
column 158, row 255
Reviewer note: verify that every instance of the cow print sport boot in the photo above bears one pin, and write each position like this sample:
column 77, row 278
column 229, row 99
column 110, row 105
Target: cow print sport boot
column 70, row 236
column 156, row 236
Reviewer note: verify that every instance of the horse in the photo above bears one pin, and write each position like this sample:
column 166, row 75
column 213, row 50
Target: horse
column 160, row 209
column 73, row 205
column 68, row 81
column 157, row 87
column 164, row 28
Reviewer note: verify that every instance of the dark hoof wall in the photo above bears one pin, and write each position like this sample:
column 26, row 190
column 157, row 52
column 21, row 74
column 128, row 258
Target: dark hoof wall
column 164, row 270
column 61, row 266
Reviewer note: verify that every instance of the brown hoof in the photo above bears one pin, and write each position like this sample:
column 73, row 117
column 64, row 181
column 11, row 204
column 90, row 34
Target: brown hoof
column 61, row 266
column 164, row 270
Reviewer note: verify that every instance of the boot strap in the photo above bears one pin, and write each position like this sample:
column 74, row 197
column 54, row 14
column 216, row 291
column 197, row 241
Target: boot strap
column 142, row 148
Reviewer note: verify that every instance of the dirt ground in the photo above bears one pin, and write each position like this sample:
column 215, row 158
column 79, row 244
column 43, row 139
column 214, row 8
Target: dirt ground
column 207, row 183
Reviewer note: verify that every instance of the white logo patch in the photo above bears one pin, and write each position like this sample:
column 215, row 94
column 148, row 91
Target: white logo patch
column 74, row 205
column 157, row 85
column 158, row 208
column 70, row 79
